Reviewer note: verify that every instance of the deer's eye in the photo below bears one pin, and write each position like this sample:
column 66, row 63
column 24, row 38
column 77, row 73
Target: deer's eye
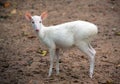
column 33, row 22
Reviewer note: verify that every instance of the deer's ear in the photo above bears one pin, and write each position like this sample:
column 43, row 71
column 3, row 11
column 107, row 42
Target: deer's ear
column 28, row 16
column 44, row 15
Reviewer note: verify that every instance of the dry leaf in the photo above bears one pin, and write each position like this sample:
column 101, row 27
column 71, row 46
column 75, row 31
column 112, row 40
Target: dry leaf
column 14, row 11
column 42, row 52
column 14, row 4
column 109, row 82
column 20, row 13
column 117, row 33
column 118, row 65
column 24, row 33
column 6, row 4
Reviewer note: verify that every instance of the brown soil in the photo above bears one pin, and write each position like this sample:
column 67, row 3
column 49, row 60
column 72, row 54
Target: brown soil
column 20, row 62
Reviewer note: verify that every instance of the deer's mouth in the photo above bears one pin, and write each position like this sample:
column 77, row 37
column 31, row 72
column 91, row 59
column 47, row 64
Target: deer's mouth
column 37, row 30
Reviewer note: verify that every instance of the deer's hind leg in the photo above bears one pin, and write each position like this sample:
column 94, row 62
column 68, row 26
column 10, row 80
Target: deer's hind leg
column 86, row 48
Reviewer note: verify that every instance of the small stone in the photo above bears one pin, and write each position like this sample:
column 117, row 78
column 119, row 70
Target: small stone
column 114, row 29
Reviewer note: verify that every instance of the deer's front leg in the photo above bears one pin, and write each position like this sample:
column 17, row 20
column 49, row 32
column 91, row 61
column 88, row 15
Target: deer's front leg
column 52, row 54
column 57, row 61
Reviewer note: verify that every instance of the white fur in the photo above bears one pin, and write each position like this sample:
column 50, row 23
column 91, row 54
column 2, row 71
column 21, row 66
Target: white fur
column 76, row 33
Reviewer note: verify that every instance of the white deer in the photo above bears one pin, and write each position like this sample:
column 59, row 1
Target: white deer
column 76, row 33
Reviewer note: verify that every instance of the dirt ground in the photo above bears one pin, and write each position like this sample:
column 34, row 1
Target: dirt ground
column 20, row 61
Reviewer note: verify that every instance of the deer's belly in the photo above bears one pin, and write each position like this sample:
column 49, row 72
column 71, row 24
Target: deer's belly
column 65, row 42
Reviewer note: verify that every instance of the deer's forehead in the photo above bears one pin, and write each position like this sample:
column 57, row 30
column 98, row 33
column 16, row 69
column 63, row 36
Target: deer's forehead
column 36, row 18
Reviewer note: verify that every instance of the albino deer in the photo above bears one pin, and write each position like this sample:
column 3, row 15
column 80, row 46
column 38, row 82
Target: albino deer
column 76, row 33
